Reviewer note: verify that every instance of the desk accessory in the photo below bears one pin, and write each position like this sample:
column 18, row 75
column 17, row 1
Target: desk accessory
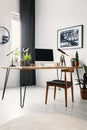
column 62, row 57
column 75, row 60
column 26, row 56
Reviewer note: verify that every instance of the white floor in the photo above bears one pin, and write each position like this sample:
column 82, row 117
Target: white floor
column 34, row 103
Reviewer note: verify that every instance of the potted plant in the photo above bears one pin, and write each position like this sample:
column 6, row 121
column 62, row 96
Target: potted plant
column 16, row 55
column 83, row 82
column 26, row 58
column 73, row 61
column 76, row 63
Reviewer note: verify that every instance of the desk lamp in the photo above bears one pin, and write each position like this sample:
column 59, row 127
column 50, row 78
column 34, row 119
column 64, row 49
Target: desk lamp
column 62, row 58
column 62, row 61
column 12, row 65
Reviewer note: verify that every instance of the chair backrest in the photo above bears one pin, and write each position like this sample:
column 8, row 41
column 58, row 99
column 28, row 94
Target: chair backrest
column 71, row 70
column 68, row 70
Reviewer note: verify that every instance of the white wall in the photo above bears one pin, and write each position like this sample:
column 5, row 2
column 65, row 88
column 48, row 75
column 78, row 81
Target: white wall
column 52, row 15
column 6, row 8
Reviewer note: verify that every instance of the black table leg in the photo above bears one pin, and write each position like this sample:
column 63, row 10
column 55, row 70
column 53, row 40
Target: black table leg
column 6, row 80
column 78, row 77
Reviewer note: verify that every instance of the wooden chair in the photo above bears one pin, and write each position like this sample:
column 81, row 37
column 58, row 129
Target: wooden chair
column 62, row 84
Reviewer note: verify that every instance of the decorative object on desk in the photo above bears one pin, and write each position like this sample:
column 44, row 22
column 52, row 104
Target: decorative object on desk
column 4, row 35
column 26, row 57
column 76, row 63
column 12, row 52
column 70, row 38
column 16, row 55
column 75, row 60
column 62, row 58
column 83, row 82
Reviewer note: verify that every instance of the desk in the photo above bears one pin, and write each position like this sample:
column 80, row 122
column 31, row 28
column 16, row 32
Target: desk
column 22, row 98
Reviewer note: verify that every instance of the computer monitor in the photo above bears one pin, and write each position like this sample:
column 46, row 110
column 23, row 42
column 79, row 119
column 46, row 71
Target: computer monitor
column 43, row 54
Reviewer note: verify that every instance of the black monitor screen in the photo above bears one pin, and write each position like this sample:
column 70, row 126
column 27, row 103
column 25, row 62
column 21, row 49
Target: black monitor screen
column 43, row 55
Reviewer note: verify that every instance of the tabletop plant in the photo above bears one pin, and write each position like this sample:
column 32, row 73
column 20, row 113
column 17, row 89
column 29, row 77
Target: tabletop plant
column 26, row 58
column 16, row 55
column 77, row 56
column 75, row 60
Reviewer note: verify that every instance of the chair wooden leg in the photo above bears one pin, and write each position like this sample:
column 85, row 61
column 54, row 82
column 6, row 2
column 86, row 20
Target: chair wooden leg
column 54, row 92
column 65, row 97
column 72, row 94
column 47, row 87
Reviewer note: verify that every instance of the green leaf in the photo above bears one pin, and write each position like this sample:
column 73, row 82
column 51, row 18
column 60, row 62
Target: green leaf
column 27, row 57
column 85, row 68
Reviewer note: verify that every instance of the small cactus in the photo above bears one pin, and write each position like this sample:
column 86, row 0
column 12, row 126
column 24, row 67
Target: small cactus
column 77, row 56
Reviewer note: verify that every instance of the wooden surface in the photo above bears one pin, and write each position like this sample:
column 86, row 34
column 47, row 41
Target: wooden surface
column 39, row 67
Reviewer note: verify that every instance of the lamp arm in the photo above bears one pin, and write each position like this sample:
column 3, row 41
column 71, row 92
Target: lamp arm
column 62, row 51
column 12, row 51
column 9, row 53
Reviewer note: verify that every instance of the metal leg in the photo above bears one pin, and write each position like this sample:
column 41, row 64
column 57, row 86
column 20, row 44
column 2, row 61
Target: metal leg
column 22, row 97
column 78, row 77
column 6, row 80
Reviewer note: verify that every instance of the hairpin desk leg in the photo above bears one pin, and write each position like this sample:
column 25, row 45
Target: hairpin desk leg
column 22, row 97
column 6, row 80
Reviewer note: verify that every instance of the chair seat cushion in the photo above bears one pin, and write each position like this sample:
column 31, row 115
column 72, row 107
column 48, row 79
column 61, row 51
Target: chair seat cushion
column 59, row 83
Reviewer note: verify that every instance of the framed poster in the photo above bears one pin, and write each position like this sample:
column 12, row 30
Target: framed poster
column 70, row 38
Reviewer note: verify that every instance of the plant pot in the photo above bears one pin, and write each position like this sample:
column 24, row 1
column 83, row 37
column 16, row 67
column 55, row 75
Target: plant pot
column 72, row 63
column 27, row 63
column 76, row 63
column 21, row 62
column 83, row 93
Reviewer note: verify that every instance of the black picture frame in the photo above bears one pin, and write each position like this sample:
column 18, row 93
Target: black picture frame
column 70, row 38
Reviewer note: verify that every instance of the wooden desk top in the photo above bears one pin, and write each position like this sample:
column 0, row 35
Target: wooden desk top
column 39, row 67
